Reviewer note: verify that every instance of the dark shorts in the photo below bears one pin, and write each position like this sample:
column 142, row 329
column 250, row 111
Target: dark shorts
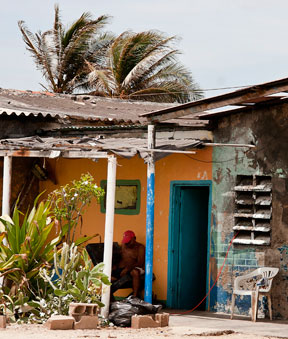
column 117, row 272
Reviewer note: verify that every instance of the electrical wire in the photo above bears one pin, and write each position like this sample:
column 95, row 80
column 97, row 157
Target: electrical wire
column 188, row 91
column 222, row 161
column 194, row 308
column 130, row 96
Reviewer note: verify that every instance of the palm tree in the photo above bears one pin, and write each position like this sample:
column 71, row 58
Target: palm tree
column 143, row 66
column 60, row 53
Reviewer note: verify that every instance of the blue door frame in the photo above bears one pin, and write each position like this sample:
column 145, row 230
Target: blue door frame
column 173, row 242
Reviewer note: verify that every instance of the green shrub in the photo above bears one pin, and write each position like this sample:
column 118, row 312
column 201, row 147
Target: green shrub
column 69, row 203
column 24, row 248
column 73, row 279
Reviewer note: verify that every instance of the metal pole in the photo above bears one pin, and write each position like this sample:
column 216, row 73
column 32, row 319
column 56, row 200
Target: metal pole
column 7, row 177
column 109, row 228
column 150, row 216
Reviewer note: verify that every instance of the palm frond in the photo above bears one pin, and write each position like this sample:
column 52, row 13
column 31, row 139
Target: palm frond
column 144, row 66
column 100, row 80
column 177, row 79
column 115, row 53
column 140, row 48
column 75, row 52
column 148, row 66
column 35, row 44
column 30, row 42
column 57, row 32
column 60, row 54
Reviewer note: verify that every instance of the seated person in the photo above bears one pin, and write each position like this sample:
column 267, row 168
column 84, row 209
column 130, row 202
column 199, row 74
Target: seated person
column 131, row 264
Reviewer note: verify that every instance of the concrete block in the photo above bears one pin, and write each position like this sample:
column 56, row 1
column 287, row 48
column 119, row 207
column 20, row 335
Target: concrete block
column 2, row 321
column 86, row 322
column 144, row 321
column 162, row 318
column 83, row 309
column 60, row 322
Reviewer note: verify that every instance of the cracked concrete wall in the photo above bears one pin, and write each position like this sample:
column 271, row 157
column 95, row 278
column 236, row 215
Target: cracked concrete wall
column 267, row 129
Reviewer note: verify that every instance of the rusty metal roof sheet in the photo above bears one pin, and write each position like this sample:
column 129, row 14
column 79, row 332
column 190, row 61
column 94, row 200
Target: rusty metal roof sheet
column 78, row 107
column 125, row 147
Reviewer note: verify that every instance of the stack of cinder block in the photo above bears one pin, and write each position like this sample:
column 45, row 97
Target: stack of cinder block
column 81, row 316
column 2, row 321
column 85, row 315
column 150, row 320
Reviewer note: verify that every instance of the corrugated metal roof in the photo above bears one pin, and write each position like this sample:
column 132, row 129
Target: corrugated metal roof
column 78, row 107
column 125, row 147
column 96, row 128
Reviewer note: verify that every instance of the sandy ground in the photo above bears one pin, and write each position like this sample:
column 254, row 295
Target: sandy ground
column 39, row 331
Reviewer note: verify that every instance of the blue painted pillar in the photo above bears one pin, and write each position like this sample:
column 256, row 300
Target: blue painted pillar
column 150, row 216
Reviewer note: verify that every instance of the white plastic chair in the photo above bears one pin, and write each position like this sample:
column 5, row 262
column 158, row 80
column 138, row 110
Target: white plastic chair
column 260, row 275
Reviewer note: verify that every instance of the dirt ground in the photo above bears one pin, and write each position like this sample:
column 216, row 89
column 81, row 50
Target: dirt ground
column 39, row 331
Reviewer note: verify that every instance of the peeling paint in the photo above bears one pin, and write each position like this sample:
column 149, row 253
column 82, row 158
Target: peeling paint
column 267, row 128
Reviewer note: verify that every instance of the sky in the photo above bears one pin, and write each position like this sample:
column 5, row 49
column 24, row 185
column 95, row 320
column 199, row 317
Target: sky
column 225, row 43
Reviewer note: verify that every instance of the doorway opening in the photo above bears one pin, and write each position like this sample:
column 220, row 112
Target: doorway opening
column 188, row 247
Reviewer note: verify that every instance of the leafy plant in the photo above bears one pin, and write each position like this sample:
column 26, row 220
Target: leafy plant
column 16, row 307
column 73, row 279
column 69, row 203
column 24, row 248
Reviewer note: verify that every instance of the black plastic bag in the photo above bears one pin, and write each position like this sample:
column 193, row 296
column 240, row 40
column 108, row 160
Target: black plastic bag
column 143, row 305
column 122, row 311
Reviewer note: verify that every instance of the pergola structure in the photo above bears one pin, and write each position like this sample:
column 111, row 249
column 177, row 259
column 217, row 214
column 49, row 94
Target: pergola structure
column 110, row 198
column 92, row 148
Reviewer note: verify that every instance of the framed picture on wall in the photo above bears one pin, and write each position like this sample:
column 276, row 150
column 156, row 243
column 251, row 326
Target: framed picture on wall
column 127, row 197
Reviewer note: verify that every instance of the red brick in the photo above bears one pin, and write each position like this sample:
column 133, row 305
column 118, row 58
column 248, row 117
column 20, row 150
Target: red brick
column 60, row 322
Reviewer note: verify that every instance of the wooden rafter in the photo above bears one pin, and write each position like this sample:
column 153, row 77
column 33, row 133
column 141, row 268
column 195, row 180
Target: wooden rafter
column 238, row 97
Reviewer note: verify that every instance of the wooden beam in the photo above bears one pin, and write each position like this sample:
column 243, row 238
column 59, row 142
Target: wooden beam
column 49, row 154
column 159, row 150
column 230, row 145
column 233, row 98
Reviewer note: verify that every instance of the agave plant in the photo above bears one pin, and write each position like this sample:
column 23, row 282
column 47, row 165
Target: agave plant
column 24, row 247
column 60, row 53
column 143, row 66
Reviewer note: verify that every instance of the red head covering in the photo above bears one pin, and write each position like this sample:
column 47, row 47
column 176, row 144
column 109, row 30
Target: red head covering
column 128, row 236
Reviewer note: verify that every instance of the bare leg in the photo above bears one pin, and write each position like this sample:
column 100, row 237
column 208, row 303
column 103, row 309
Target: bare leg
column 135, row 274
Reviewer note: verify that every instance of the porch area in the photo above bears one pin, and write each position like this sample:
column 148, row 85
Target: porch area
column 197, row 324
column 208, row 324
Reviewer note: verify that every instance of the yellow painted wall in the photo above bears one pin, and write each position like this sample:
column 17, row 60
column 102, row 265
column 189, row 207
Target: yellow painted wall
column 172, row 167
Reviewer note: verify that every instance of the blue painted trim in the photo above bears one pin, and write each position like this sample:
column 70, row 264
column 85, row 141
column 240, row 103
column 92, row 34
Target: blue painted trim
column 208, row 244
column 173, row 238
column 149, row 238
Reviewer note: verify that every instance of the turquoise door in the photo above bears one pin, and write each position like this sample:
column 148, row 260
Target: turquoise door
column 187, row 267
